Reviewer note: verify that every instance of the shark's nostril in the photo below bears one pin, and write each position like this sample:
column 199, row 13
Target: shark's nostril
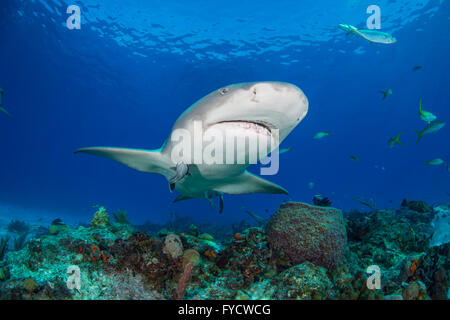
column 223, row 91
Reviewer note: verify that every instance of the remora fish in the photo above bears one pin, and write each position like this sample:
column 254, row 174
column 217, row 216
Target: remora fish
column 181, row 170
column 247, row 109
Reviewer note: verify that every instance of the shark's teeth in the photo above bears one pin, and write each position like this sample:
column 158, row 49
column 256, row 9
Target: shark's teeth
column 247, row 125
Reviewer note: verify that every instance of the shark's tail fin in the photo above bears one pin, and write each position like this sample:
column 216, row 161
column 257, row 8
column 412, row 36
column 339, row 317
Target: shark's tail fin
column 419, row 135
column 142, row 160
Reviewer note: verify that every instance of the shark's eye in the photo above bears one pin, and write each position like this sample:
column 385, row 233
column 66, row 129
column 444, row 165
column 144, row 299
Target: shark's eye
column 223, row 91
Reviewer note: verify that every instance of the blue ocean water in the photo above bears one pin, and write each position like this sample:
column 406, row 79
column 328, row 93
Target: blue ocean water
column 134, row 66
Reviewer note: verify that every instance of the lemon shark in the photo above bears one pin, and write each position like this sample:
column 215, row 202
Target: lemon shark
column 257, row 109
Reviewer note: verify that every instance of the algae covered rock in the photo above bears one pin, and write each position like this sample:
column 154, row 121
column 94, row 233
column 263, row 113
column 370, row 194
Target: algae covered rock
column 30, row 285
column 441, row 226
column 303, row 282
column 300, row 232
column 245, row 260
column 415, row 291
column 418, row 206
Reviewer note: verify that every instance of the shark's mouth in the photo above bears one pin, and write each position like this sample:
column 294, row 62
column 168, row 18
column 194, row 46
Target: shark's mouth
column 259, row 127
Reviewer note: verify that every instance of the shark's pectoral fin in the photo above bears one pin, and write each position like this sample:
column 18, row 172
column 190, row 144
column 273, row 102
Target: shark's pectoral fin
column 249, row 183
column 141, row 160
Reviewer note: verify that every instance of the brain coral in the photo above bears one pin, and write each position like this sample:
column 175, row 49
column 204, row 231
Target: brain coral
column 308, row 233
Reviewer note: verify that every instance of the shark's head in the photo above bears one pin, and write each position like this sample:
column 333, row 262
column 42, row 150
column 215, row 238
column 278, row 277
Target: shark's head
column 261, row 106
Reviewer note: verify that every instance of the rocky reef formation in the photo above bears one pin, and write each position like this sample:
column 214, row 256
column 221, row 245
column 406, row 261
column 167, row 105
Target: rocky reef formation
column 306, row 252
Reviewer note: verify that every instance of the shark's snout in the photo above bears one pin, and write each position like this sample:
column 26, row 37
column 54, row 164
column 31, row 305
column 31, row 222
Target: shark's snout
column 267, row 105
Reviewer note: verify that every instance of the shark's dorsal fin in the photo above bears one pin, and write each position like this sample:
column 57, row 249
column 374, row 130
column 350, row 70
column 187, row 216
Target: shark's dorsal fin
column 249, row 183
column 142, row 160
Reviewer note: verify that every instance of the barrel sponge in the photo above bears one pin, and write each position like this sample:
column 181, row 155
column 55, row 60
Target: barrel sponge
column 301, row 232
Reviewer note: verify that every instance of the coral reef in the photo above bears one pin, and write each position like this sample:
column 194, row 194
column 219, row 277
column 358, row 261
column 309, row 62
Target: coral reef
column 302, row 254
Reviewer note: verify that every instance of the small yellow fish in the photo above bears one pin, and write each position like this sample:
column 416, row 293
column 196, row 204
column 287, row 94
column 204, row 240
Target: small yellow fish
column 434, row 162
column 386, row 93
column 393, row 141
column 320, row 135
column 425, row 115
column 284, row 150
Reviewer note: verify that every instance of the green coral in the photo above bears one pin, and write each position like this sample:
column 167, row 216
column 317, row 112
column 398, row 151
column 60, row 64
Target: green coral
column 20, row 241
column 3, row 246
column 121, row 216
column 4, row 274
column 101, row 218
column 206, row 236
column 57, row 228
